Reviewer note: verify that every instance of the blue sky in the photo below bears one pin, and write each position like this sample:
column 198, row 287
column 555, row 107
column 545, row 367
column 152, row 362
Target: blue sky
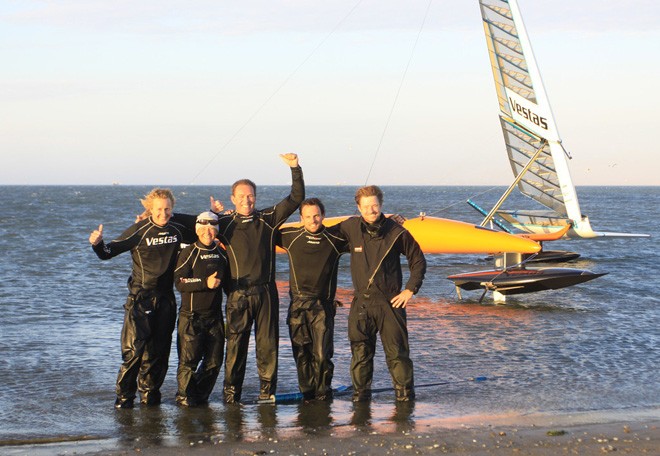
column 206, row 92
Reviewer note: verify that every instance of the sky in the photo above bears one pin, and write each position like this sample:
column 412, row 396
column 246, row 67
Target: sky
column 384, row 92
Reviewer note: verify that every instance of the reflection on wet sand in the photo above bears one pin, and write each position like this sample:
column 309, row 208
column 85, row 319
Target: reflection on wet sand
column 196, row 424
column 234, row 422
column 361, row 414
column 147, row 425
column 314, row 416
column 395, row 417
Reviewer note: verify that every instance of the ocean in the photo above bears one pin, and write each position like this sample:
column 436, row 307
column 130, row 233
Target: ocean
column 586, row 348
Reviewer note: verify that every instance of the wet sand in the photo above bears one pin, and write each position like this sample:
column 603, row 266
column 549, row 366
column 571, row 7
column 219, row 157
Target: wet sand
column 594, row 433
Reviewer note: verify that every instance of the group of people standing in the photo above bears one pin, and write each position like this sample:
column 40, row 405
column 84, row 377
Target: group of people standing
column 233, row 253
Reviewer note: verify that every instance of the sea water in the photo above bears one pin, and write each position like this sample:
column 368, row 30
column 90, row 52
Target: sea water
column 589, row 347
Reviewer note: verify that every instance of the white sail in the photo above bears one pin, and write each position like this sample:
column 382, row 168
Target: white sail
column 528, row 124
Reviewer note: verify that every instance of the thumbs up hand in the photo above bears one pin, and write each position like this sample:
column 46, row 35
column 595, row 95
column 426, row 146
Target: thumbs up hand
column 212, row 281
column 96, row 236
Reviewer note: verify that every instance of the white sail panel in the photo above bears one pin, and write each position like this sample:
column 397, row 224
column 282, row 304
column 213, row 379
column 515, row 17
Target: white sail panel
column 508, row 64
column 540, row 182
column 527, row 120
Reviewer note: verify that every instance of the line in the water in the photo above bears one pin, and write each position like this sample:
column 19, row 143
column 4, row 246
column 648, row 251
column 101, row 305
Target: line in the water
column 347, row 389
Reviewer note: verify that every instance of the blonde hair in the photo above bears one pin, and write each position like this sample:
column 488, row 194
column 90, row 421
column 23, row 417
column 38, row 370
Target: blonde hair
column 156, row 193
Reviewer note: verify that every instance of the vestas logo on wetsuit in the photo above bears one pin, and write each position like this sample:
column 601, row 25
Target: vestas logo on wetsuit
column 209, row 256
column 162, row 240
column 313, row 239
column 528, row 114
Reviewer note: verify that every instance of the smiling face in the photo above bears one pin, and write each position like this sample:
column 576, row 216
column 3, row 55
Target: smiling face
column 369, row 208
column 312, row 218
column 206, row 233
column 244, row 199
column 161, row 211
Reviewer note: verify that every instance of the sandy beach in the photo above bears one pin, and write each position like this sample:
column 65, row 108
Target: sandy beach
column 594, row 433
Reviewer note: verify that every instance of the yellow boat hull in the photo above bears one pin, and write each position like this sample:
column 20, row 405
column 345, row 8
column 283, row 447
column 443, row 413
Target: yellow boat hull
column 438, row 235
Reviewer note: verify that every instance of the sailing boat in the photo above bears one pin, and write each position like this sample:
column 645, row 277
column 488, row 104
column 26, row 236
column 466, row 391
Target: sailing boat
column 536, row 154
column 538, row 161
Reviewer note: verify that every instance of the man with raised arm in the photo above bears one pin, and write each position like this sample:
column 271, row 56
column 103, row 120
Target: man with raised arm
column 150, row 310
column 313, row 263
column 249, row 237
column 376, row 245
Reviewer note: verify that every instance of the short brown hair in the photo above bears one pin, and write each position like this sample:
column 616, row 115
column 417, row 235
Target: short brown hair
column 369, row 190
column 157, row 193
column 244, row 182
column 312, row 202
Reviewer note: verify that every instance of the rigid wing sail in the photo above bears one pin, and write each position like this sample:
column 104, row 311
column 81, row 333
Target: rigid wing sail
column 538, row 159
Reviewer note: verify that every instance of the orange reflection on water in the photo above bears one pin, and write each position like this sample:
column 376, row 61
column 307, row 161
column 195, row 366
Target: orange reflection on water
column 467, row 324
column 432, row 320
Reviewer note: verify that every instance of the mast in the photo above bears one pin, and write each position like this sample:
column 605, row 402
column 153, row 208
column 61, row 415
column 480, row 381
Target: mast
column 557, row 151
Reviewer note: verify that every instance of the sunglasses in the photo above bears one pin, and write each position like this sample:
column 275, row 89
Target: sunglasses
column 207, row 222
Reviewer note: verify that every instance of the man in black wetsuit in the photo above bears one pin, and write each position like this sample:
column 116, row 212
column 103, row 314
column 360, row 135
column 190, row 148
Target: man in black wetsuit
column 150, row 310
column 376, row 244
column 201, row 333
column 313, row 263
column 249, row 236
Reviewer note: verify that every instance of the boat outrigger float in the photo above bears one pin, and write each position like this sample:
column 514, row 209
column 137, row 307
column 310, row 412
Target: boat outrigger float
column 521, row 280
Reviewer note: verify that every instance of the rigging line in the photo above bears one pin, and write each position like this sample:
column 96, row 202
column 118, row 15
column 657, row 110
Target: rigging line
column 396, row 97
column 286, row 80
column 459, row 202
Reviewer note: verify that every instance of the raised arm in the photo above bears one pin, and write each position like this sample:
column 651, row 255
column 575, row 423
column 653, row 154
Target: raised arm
column 125, row 242
column 290, row 159
column 96, row 236
column 288, row 205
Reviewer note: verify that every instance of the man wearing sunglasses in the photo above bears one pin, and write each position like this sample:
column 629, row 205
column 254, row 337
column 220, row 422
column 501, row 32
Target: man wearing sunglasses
column 249, row 236
column 201, row 334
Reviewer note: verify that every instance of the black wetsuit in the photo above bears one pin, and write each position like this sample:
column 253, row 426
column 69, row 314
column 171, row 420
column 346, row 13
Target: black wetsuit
column 377, row 278
column 252, row 294
column 150, row 310
column 313, row 265
column 201, row 331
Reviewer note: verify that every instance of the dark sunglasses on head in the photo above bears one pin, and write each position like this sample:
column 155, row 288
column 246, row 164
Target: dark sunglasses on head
column 207, row 222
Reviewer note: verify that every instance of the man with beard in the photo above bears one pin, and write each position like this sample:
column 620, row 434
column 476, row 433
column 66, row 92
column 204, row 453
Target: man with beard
column 313, row 263
column 376, row 244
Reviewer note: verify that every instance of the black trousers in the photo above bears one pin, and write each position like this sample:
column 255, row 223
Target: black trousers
column 200, row 345
column 368, row 317
column 311, row 328
column 258, row 305
column 146, row 338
